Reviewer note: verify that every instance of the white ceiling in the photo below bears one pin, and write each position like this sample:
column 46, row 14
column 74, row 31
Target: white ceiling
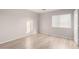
column 42, row 11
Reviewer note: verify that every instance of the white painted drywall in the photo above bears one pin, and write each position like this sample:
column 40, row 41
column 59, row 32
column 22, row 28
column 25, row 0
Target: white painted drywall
column 46, row 25
column 76, row 26
column 13, row 24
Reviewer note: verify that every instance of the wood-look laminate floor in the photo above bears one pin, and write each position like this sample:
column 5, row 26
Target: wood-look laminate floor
column 40, row 41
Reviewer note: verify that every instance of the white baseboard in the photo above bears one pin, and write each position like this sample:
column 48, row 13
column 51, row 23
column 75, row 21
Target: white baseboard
column 16, row 38
column 11, row 39
column 58, row 36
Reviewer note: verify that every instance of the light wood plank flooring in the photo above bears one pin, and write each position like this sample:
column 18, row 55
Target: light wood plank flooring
column 40, row 41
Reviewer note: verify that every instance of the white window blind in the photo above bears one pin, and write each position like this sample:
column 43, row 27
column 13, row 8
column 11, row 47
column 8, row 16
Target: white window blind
column 62, row 21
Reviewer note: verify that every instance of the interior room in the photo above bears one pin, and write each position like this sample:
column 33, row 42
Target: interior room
column 39, row 29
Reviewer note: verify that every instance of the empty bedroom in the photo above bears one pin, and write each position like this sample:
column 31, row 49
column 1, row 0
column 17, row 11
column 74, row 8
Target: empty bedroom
column 39, row 28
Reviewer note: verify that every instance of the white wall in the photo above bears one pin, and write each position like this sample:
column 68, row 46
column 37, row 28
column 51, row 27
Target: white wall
column 46, row 25
column 76, row 26
column 13, row 24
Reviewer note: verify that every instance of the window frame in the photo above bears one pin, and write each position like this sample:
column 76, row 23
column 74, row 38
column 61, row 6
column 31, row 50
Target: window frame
column 70, row 26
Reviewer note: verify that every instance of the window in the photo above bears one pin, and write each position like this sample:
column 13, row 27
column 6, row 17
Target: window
column 61, row 21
